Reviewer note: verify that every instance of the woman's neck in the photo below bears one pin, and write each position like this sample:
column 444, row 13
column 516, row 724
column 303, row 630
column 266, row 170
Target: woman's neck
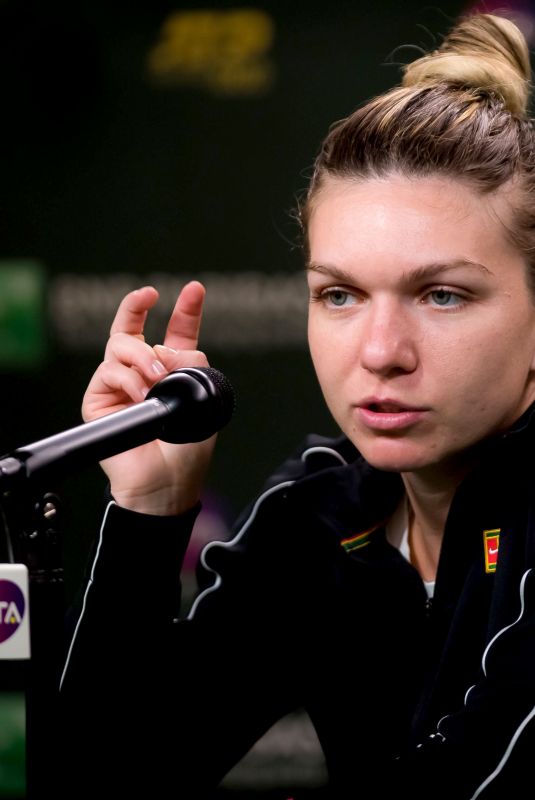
column 430, row 495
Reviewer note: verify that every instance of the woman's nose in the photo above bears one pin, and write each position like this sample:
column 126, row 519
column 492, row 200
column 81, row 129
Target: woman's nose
column 389, row 340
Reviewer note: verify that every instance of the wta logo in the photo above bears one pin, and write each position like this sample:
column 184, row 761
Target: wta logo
column 12, row 607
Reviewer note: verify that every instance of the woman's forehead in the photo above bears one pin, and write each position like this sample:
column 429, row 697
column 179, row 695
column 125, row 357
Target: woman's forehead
column 398, row 214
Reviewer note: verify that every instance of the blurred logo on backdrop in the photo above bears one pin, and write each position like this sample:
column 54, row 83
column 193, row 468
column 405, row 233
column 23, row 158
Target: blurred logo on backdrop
column 245, row 312
column 225, row 52
column 22, row 322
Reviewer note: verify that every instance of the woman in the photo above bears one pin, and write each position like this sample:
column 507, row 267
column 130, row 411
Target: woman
column 383, row 581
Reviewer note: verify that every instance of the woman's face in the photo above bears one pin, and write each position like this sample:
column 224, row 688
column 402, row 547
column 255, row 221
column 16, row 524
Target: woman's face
column 421, row 323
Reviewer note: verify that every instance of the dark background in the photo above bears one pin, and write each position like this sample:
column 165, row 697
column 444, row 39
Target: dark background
column 116, row 171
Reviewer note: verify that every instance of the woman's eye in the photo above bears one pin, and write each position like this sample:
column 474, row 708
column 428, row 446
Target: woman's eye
column 336, row 297
column 444, row 298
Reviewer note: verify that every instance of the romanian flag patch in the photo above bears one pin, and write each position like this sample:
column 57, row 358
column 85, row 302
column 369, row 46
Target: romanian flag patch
column 357, row 541
column 491, row 542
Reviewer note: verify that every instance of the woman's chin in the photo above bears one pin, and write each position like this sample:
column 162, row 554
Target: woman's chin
column 395, row 455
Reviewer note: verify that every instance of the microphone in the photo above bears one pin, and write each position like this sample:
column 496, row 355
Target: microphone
column 188, row 405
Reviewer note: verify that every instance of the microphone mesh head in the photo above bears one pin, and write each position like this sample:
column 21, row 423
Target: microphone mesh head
column 224, row 389
column 199, row 401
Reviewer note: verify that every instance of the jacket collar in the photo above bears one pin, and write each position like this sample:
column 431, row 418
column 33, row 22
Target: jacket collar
column 352, row 499
column 358, row 498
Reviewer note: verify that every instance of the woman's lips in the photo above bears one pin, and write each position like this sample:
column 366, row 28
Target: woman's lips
column 388, row 415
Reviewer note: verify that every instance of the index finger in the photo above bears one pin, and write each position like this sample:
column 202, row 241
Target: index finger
column 185, row 321
column 132, row 312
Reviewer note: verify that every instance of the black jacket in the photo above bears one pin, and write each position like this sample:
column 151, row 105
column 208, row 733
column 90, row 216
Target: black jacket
column 310, row 607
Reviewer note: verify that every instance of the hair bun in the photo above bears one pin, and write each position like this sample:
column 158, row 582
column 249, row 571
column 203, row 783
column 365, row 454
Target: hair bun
column 483, row 51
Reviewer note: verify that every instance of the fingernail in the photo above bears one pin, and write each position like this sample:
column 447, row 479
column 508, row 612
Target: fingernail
column 144, row 391
column 158, row 367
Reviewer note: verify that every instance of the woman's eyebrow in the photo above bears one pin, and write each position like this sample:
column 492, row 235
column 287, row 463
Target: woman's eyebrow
column 417, row 275
column 428, row 271
column 339, row 275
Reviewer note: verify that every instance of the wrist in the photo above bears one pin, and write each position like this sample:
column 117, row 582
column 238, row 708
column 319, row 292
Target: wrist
column 160, row 503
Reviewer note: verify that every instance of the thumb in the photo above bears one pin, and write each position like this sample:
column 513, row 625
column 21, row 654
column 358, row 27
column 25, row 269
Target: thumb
column 177, row 359
column 167, row 355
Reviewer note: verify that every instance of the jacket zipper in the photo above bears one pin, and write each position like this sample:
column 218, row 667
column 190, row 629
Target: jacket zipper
column 428, row 607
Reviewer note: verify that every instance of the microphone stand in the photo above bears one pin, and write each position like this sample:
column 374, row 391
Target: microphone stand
column 188, row 405
column 30, row 516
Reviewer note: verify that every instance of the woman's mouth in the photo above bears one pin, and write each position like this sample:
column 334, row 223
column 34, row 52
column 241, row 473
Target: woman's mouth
column 388, row 415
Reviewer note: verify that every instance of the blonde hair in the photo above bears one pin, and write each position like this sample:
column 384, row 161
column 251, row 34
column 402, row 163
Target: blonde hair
column 485, row 52
column 461, row 111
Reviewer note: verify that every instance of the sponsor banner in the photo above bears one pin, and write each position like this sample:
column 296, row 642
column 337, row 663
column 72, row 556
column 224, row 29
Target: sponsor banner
column 14, row 612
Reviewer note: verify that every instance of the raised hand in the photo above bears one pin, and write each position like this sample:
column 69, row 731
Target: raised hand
column 158, row 477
